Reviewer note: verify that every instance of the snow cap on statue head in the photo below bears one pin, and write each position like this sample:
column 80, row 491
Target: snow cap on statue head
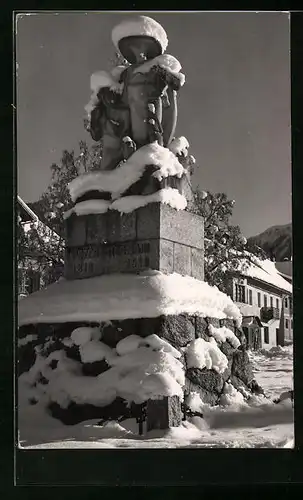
column 141, row 26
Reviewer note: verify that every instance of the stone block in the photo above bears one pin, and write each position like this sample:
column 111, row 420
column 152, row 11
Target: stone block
column 201, row 329
column 227, row 349
column 228, row 323
column 158, row 220
column 108, row 243
column 148, row 221
column 182, row 227
column 240, row 335
column 75, row 230
column 209, row 380
column 163, row 413
column 128, row 226
column 207, row 397
column 179, row 329
column 241, row 367
column 197, row 263
column 182, row 259
column 121, row 227
column 166, row 256
column 95, row 260
column 115, row 331
column 96, row 228
column 214, row 322
column 237, row 382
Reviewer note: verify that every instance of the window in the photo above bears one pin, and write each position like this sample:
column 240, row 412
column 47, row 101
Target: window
column 271, row 301
column 266, row 335
column 265, row 300
column 277, row 303
column 286, row 324
column 259, row 299
column 250, row 297
column 291, row 324
column 286, row 302
column 240, row 293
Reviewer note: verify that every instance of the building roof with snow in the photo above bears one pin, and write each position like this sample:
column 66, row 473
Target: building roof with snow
column 265, row 271
column 25, row 212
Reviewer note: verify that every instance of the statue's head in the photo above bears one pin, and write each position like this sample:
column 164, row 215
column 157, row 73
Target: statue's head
column 139, row 39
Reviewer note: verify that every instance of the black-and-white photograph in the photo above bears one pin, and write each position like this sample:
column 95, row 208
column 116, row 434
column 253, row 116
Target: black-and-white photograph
column 154, row 233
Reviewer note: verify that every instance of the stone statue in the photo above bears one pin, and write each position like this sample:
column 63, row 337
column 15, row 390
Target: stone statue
column 136, row 104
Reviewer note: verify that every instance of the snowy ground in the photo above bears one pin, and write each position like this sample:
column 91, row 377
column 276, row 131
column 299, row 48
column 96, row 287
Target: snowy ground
column 262, row 425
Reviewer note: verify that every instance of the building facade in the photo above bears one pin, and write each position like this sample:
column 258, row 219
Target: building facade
column 30, row 276
column 264, row 298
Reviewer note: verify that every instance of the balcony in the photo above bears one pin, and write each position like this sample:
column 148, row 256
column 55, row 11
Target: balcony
column 268, row 313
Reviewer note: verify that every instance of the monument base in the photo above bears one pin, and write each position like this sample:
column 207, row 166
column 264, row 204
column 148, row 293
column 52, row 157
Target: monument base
column 178, row 330
column 152, row 237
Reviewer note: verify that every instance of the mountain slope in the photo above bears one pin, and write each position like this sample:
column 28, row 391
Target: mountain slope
column 276, row 241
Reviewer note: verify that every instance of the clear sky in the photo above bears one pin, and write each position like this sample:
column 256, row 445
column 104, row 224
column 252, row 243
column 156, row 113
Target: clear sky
column 234, row 108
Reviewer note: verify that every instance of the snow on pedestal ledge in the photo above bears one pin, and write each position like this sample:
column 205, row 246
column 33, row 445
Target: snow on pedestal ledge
column 121, row 178
column 127, row 204
column 122, row 296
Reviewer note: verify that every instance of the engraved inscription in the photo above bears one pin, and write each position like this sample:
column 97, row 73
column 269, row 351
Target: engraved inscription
column 93, row 260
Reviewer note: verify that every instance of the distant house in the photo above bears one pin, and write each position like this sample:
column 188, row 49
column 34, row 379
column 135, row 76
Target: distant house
column 264, row 298
column 30, row 278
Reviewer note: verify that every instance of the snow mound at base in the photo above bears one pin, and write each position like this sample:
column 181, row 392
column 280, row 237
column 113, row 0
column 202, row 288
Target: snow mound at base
column 135, row 373
column 231, row 397
column 122, row 296
column 202, row 354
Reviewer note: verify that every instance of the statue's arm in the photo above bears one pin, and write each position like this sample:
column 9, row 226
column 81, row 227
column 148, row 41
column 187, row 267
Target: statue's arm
column 97, row 118
column 169, row 116
column 168, row 78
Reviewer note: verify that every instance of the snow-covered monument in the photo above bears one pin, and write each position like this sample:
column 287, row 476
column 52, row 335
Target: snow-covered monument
column 132, row 329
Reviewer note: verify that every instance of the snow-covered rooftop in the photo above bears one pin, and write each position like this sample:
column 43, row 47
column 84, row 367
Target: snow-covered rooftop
column 266, row 271
column 122, row 296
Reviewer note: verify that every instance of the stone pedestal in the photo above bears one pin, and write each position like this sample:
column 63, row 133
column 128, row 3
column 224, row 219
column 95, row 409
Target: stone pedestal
column 163, row 413
column 152, row 237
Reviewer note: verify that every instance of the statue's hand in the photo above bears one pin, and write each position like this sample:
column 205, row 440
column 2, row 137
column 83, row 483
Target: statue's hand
column 167, row 77
column 108, row 96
